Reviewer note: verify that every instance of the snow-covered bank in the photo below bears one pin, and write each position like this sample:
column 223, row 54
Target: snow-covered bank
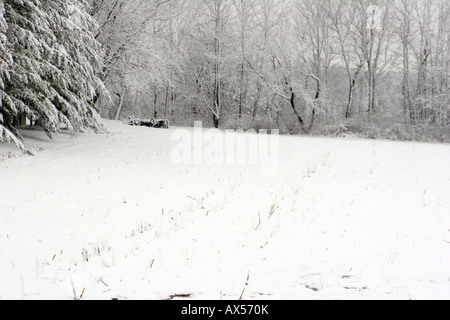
column 110, row 216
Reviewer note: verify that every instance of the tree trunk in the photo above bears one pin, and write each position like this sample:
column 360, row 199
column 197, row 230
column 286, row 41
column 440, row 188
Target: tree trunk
column 216, row 121
column 292, row 103
column 350, row 99
column 258, row 96
column 242, row 90
column 155, row 101
column 370, row 74
column 241, row 93
column 166, row 102
column 217, row 69
column 316, row 100
column 373, row 92
column 119, row 109
column 405, row 87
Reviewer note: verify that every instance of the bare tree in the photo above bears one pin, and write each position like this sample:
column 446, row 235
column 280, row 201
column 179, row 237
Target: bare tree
column 219, row 12
column 405, row 11
column 315, row 49
column 243, row 9
column 124, row 27
column 373, row 37
column 343, row 24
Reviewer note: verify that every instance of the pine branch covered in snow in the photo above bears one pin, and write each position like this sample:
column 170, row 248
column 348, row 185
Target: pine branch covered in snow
column 8, row 137
column 50, row 61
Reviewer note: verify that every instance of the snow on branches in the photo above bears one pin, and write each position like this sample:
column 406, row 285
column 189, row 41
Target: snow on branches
column 49, row 66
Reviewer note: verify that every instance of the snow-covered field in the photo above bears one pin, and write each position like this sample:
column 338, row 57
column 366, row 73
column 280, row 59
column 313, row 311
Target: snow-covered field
column 111, row 216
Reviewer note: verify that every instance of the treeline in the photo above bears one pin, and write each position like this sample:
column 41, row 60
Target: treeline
column 299, row 65
column 378, row 68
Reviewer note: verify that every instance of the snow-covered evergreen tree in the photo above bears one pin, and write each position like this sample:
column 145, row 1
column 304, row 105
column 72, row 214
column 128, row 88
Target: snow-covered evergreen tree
column 52, row 68
column 5, row 65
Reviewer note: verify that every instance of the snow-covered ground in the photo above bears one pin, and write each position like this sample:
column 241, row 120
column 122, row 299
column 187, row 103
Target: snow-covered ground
column 111, row 216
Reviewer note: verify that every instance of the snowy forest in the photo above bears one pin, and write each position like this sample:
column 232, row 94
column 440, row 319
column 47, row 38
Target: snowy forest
column 377, row 68
column 307, row 155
